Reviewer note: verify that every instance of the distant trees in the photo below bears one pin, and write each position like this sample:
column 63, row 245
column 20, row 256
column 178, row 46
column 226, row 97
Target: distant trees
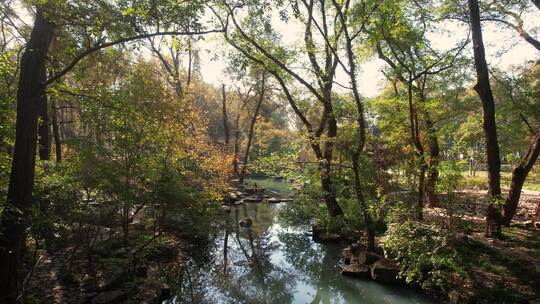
column 253, row 46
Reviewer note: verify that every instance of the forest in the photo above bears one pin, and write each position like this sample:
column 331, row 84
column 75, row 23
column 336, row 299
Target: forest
column 269, row 151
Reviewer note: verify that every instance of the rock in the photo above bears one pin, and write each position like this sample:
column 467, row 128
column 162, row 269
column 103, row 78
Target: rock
column 253, row 199
column 273, row 200
column 327, row 238
column 164, row 292
column 385, row 271
column 226, row 208
column 255, row 190
column 109, row 297
column 246, row 222
column 529, row 224
column 537, row 225
column 368, row 257
column 347, row 255
column 356, row 270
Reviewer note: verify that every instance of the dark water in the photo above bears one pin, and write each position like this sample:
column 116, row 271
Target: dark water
column 273, row 263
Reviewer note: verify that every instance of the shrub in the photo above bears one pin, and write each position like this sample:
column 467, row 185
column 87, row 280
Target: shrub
column 424, row 251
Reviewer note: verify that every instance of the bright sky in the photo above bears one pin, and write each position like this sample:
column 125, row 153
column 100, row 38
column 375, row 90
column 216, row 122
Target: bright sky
column 371, row 80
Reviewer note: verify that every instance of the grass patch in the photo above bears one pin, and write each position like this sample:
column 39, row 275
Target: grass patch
column 479, row 181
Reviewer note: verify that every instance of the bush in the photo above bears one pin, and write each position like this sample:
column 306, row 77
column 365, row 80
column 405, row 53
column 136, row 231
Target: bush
column 424, row 251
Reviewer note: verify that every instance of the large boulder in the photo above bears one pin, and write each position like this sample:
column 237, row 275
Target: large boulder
column 385, row 271
column 356, row 270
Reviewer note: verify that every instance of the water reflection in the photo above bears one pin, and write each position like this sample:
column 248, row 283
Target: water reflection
column 271, row 263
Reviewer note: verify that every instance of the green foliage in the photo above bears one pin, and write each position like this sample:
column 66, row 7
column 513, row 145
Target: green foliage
column 450, row 176
column 7, row 115
column 425, row 251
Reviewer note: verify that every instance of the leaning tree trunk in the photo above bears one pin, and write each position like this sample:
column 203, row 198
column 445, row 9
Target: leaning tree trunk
column 19, row 200
column 519, row 174
column 252, row 128
column 483, row 88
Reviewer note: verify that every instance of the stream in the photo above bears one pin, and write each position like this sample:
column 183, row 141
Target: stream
column 271, row 262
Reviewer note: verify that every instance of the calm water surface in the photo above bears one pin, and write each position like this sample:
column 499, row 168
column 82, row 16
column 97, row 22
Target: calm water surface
column 271, row 262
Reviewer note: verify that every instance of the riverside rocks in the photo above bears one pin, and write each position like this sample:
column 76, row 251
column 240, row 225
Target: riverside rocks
column 237, row 196
column 361, row 263
column 356, row 271
column 385, row 271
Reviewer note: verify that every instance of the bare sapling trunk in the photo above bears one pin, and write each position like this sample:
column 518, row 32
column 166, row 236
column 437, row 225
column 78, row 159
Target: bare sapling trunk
column 236, row 146
column 56, row 132
column 43, row 129
column 225, row 117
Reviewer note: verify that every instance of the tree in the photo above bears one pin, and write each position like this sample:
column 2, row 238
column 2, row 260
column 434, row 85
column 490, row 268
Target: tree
column 483, row 88
column 261, row 53
column 521, row 99
column 31, row 89
column 412, row 61
column 262, row 90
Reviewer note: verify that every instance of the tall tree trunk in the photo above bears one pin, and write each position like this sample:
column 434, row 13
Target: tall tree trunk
column 417, row 144
column 430, row 196
column 519, row 174
column 19, row 200
column 483, row 88
column 325, row 167
column 43, row 129
column 225, row 118
column 252, row 127
column 56, row 132
column 361, row 140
